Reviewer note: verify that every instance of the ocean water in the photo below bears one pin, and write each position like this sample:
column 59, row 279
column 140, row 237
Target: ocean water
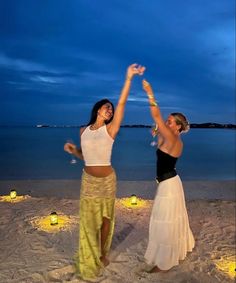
column 37, row 153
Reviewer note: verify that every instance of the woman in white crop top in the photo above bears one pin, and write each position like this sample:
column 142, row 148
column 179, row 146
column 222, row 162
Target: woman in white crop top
column 98, row 182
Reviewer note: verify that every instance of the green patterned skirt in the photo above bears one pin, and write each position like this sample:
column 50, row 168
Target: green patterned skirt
column 97, row 200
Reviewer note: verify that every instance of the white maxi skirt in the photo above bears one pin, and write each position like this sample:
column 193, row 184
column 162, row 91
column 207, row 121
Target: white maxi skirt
column 170, row 237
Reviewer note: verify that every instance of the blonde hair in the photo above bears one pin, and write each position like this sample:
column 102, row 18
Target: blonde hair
column 181, row 120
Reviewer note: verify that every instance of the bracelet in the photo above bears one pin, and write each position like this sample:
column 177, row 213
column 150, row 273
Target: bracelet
column 128, row 78
column 154, row 103
column 150, row 96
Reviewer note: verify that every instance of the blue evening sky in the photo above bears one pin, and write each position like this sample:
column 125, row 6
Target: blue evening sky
column 57, row 58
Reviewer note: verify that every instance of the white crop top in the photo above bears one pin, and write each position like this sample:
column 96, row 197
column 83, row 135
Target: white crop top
column 96, row 146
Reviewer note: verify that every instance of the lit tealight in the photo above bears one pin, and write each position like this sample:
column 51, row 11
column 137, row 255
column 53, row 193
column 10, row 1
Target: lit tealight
column 64, row 222
column 53, row 218
column 133, row 200
column 13, row 194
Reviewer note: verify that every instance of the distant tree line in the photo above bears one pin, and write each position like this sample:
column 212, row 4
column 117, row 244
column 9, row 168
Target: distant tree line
column 192, row 125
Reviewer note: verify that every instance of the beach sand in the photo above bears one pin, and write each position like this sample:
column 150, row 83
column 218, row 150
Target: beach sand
column 33, row 251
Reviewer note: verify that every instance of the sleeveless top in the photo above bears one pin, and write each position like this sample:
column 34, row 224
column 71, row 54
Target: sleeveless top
column 96, row 146
column 165, row 163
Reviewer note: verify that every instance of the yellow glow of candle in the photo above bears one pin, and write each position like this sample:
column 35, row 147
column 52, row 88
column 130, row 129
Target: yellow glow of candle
column 228, row 266
column 13, row 194
column 53, row 218
column 133, row 200
column 232, row 269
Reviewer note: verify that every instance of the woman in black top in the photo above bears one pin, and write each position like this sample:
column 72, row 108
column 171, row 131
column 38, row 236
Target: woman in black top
column 170, row 237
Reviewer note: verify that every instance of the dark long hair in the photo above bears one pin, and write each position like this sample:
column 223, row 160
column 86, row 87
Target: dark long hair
column 96, row 107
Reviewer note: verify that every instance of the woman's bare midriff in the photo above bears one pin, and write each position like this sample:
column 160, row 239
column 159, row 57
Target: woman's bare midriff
column 99, row 171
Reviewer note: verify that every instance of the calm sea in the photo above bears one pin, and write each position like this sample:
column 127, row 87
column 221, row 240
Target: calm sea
column 37, row 153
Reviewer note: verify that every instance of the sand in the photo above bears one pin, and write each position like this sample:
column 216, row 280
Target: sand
column 31, row 250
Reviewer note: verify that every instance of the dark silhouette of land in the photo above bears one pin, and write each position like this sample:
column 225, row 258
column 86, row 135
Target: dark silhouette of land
column 192, row 126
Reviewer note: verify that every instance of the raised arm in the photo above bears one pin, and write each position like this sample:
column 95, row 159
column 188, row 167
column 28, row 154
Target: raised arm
column 156, row 113
column 114, row 126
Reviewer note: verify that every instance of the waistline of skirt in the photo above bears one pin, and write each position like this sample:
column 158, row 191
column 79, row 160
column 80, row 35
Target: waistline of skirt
column 98, row 187
column 166, row 176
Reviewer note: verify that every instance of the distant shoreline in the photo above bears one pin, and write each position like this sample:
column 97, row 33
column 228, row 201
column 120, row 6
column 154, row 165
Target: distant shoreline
column 192, row 126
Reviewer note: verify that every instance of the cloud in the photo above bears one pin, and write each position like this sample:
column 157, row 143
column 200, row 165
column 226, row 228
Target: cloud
column 50, row 80
column 66, row 80
column 24, row 65
column 137, row 99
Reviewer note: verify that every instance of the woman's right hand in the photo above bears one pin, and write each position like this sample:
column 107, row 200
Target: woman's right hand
column 70, row 148
column 135, row 69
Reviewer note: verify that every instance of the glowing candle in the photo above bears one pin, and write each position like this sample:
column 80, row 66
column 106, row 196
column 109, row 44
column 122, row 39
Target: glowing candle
column 133, row 200
column 13, row 194
column 53, row 218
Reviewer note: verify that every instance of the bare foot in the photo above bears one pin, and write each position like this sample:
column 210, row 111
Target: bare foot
column 104, row 260
column 156, row 269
